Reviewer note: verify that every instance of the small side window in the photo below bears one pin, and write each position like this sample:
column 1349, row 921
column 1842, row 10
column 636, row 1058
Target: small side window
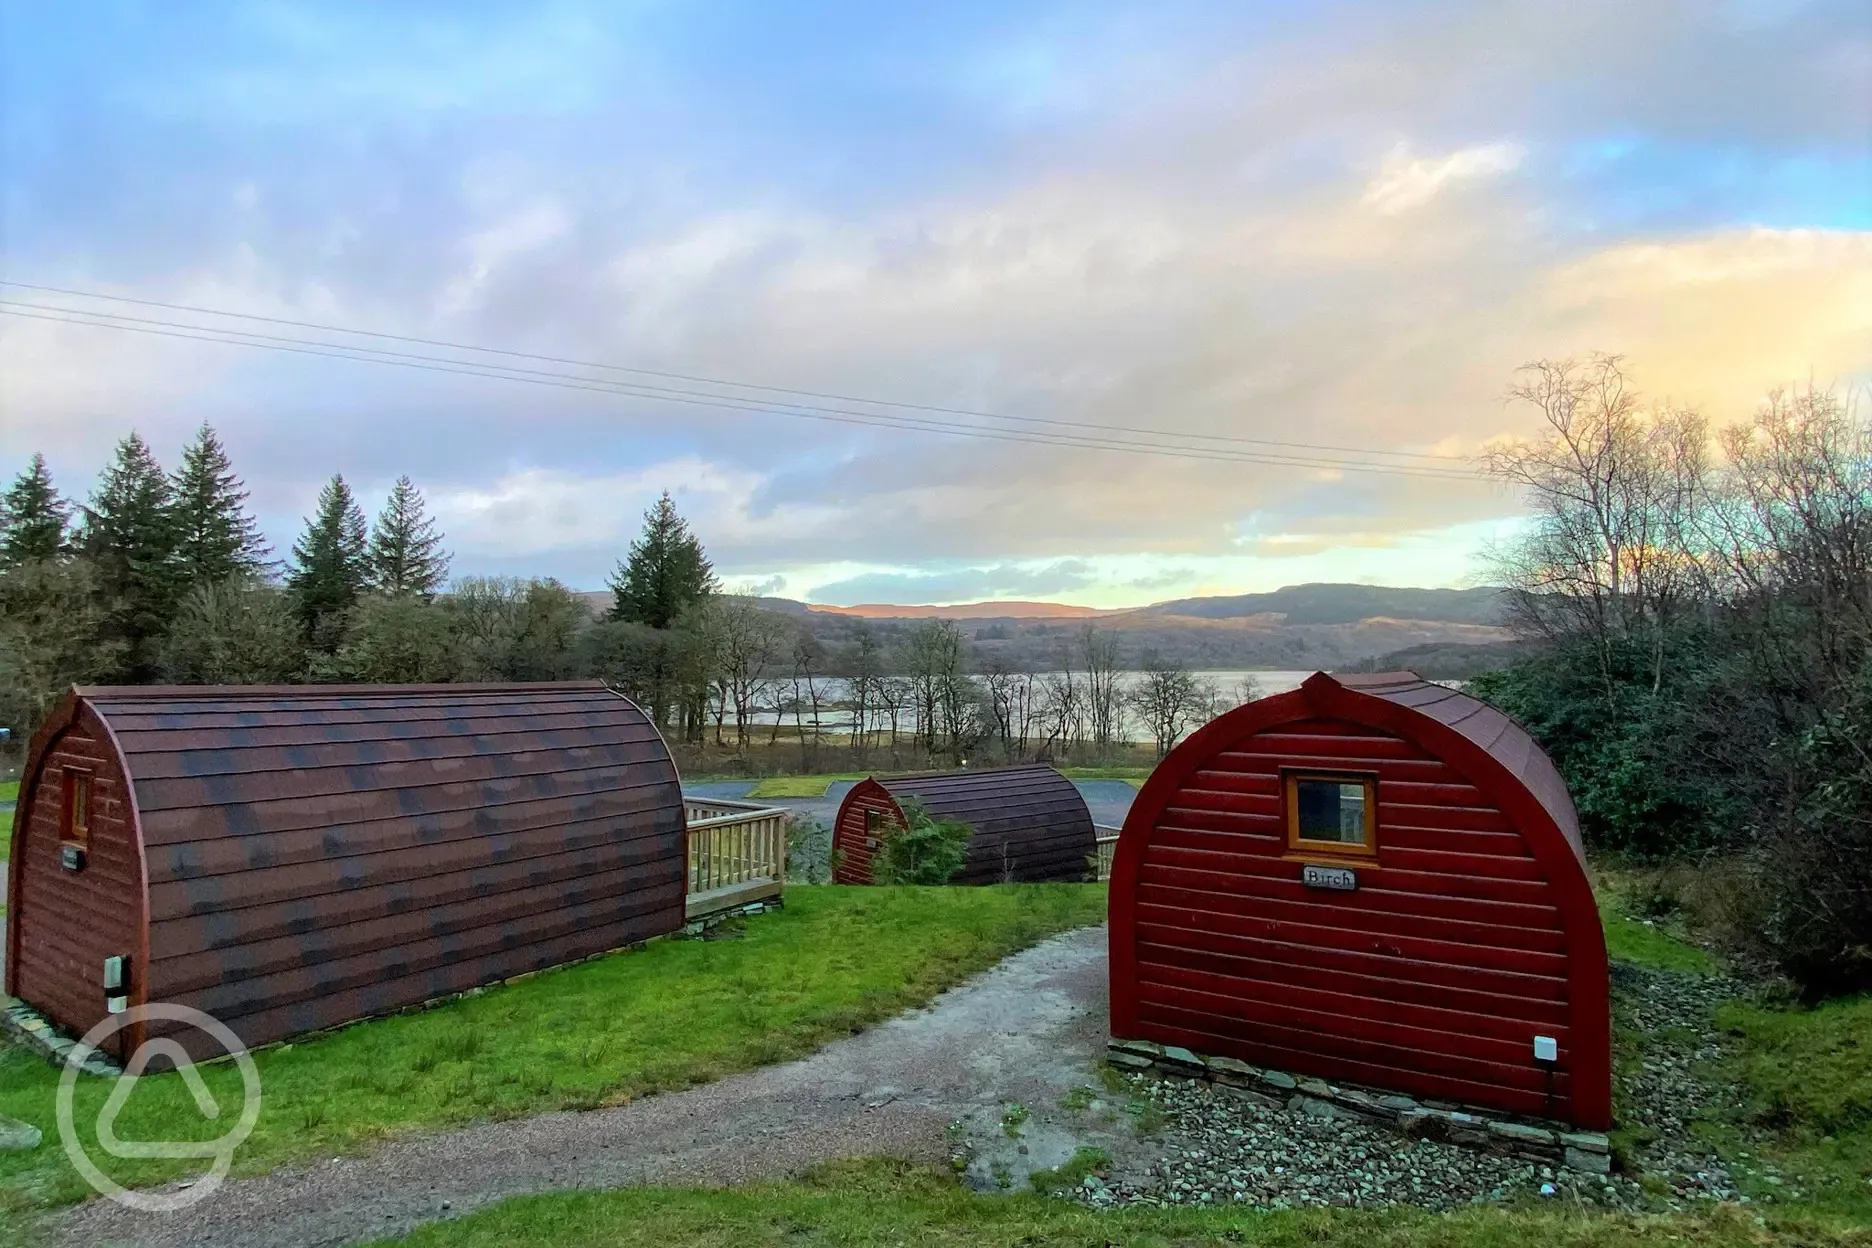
column 1332, row 814
column 874, row 820
column 75, row 827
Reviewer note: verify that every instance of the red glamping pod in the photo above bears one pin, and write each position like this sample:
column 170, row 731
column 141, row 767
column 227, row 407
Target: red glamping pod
column 291, row 859
column 1372, row 879
column 1029, row 824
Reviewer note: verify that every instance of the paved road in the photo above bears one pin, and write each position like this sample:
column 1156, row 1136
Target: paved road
column 1026, row 1032
column 1108, row 800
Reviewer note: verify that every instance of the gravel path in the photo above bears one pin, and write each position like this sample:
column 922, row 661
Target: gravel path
column 1223, row 1146
column 1024, row 1033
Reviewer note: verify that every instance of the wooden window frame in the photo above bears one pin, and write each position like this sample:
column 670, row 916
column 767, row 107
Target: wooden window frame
column 75, row 790
column 1300, row 847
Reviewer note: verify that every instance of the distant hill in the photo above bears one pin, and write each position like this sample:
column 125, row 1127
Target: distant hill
column 1347, row 604
column 962, row 611
column 1449, row 633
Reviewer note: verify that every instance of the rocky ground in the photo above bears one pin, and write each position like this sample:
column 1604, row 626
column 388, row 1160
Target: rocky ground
column 1223, row 1146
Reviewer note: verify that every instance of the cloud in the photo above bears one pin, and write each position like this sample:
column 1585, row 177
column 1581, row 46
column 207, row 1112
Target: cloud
column 1406, row 182
column 1242, row 222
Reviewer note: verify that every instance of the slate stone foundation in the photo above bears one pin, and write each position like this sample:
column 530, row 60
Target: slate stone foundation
column 697, row 927
column 1586, row 1151
column 39, row 1036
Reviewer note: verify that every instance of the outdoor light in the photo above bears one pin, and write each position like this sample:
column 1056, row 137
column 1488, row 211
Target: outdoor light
column 1546, row 1049
column 116, row 999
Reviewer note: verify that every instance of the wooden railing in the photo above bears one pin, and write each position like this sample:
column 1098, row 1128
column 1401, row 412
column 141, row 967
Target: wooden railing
column 1107, row 838
column 737, row 854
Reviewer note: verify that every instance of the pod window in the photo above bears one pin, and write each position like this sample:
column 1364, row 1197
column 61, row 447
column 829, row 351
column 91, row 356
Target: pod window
column 1332, row 814
column 75, row 819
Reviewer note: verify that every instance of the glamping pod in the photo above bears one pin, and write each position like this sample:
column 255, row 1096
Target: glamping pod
column 1030, row 823
column 1372, row 879
column 288, row 859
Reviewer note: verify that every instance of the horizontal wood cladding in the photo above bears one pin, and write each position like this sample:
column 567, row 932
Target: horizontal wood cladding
column 1364, row 1064
column 70, row 921
column 319, row 855
column 1433, row 976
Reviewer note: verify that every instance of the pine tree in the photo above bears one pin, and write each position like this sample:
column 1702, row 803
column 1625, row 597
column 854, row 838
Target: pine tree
column 331, row 565
column 216, row 540
column 129, row 536
column 32, row 518
column 406, row 555
column 665, row 572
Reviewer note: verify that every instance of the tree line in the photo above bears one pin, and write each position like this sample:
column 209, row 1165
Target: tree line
column 1701, row 603
column 163, row 576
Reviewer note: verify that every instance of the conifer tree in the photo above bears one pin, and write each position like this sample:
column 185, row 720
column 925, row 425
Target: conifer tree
column 32, row 518
column 331, row 564
column 129, row 536
column 216, row 539
column 665, row 572
column 406, row 555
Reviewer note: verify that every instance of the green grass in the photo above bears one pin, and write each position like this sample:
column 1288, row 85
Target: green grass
column 669, row 1015
column 1805, row 1076
column 1136, row 775
column 801, row 786
column 897, row 1204
column 1648, row 944
column 9, row 792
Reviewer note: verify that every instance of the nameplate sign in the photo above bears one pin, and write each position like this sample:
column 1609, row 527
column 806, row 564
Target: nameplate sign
column 1335, row 879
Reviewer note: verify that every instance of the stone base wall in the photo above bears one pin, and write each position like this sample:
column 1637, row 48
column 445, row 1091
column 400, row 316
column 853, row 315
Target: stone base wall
column 1586, row 1151
column 696, row 927
column 30, row 1027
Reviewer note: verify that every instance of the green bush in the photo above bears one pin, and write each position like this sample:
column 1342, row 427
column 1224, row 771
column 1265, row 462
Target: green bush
column 924, row 850
column 1641, row 759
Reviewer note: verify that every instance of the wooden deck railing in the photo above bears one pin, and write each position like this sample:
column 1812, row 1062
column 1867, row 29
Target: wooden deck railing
column 1107, row 838
column 737, row 854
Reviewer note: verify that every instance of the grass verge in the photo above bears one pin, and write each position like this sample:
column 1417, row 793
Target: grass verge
column 1805, row 1083
column 894, row 1203
column 9, row 792
column 672, row 1014
column 800, row 786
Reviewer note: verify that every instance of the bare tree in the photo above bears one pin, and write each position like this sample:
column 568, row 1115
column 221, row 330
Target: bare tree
column 1167, row 698
column 747, row 642
column 1610, row 552
column 1104, row 694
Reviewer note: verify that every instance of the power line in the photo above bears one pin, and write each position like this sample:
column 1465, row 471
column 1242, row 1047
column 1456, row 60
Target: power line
column 342, row 351
column 1094, row 428
column 725, row 402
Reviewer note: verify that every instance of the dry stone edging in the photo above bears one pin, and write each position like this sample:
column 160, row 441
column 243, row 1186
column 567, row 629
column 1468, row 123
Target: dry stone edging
column 38, row 1036
column 1586, row 1151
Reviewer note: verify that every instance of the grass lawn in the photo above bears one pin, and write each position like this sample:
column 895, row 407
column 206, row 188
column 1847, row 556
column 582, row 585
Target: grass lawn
column 1135, row 775
column 802, row 786
column 669, row 1015
column 1805, row 1076
column 9, row 792
column 893, row 1203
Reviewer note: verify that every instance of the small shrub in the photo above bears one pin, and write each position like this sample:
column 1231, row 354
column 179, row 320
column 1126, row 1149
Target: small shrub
column 809, row 850
column 925, row 850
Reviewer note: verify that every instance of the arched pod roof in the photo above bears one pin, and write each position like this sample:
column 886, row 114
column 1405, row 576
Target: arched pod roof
column 1030, row 823
column 316, row 854
column 1252, row 888
column 1507, row 742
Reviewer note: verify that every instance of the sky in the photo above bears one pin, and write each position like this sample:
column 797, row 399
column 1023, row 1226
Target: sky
column 1334, row 224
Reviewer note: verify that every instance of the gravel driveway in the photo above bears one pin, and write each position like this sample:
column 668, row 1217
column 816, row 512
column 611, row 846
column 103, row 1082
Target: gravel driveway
column 1026, row 1033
